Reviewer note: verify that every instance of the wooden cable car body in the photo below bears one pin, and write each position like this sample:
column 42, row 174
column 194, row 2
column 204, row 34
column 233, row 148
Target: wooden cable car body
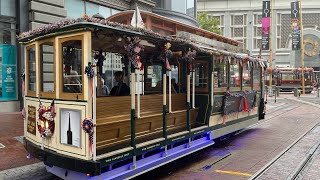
column 288, row 79
column 137, row 132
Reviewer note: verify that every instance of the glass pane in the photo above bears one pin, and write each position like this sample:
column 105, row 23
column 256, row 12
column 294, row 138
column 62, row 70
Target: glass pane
column 72, row 66
column 256, row 77
column 234, row 74
column 246, row 75
column 8, row 8
column 104, row 11
column 32, row 69
column 5, row 37
column 179, row 6
column 46, row 67
column 220, row 75
column 75, row 8
column 92, row 9
column 190, row 7
column 114, row 11
column 175, row 78
column 153, row 80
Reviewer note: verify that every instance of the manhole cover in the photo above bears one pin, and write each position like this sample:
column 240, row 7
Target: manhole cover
column 1, row 146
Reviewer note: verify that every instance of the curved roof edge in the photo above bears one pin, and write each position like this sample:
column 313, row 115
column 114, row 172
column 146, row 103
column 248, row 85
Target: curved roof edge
column 130, row 12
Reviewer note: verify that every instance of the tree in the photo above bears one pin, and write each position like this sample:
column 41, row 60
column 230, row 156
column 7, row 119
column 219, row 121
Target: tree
column 208, row 23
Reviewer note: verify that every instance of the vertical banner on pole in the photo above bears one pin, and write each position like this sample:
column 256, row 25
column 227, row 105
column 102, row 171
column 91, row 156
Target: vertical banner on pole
column 295, row 25
column 265, row 25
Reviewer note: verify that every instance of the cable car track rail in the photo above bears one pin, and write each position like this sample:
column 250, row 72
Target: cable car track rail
column 302, row 165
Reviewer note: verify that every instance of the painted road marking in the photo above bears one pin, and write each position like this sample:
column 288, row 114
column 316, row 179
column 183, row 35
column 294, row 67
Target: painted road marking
column 233, row 172
column 2, row 146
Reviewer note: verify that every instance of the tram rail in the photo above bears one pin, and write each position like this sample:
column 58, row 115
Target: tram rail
column 300, row 167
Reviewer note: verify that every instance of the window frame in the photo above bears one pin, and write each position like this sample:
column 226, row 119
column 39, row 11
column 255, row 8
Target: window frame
column 42, row 93
column 259, row 68
column 29, row 92
column 64, row 95
column 222, row 89
column 238, row 88
column 206, row 74
column 250, row 75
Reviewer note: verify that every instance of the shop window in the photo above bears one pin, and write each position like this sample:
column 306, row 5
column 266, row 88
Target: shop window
column 31, row 71
column 235, row 78
column 220, row 75
column 72, row 68
column 256, row 77
column 47, row 75
column 246, row 75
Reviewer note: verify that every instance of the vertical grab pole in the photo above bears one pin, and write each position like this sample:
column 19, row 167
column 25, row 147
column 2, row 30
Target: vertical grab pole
column 94, row 102
column 170, row 96
column 193, row 89
column 164, row 109
column 188, row 104
column 138, row 93
column 133, row 116
column 212, row 81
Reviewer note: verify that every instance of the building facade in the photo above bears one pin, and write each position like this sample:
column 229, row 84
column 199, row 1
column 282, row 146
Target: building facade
column 18, row 16
column 241, row 20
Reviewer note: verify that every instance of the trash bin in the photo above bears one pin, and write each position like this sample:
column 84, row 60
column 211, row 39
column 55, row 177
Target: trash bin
column 278, row 91
column 295, row 92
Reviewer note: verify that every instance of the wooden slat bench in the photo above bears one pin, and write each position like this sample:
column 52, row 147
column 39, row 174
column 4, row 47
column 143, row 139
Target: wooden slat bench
column 113, row 119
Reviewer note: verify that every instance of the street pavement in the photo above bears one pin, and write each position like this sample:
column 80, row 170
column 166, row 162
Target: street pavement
column 15, row 165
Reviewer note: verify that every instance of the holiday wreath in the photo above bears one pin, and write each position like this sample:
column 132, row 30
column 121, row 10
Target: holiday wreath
column 46, row 120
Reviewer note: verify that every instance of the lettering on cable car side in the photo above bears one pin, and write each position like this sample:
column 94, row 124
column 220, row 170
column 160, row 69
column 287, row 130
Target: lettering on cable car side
column 117, row 157
column 31, row 126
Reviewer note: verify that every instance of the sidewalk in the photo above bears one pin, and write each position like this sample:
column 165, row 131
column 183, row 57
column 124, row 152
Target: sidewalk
column 11, row 132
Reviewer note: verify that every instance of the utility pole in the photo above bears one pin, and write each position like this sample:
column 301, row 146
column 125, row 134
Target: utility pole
column 302, row 49
column 270, row 43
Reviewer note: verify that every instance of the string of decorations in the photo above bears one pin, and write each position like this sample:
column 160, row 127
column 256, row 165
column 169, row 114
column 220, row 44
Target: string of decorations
column 89, row 71
column 234, row 103
column 189, row 57
column 87, row 126
column 133, row 48
column 165, row 55
column 51, row 28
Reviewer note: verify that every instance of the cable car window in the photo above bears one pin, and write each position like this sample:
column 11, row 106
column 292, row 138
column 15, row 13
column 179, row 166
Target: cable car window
column 234, row 74
column 31, row 75
column 201, row 75
column 153, row 80
column 246, row 75
column 72, row 66
column 220, row 75
column 256, row 77
column 47, row 67
column 175, row 79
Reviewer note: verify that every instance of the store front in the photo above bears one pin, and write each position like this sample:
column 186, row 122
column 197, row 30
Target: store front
column 9, row 101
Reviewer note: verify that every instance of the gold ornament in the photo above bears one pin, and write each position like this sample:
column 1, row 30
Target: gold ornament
column 314, row 50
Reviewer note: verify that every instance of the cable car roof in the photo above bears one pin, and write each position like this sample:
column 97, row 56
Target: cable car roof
column 95, row 25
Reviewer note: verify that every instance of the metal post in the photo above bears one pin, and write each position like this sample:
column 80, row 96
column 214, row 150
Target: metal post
column 164, row 109
column 318, row 92
column 170, row 96
column 270, row 43
column 133, row 116
column 138, row 93
column 193, row 89
column 94, row 109
column 302, row 48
